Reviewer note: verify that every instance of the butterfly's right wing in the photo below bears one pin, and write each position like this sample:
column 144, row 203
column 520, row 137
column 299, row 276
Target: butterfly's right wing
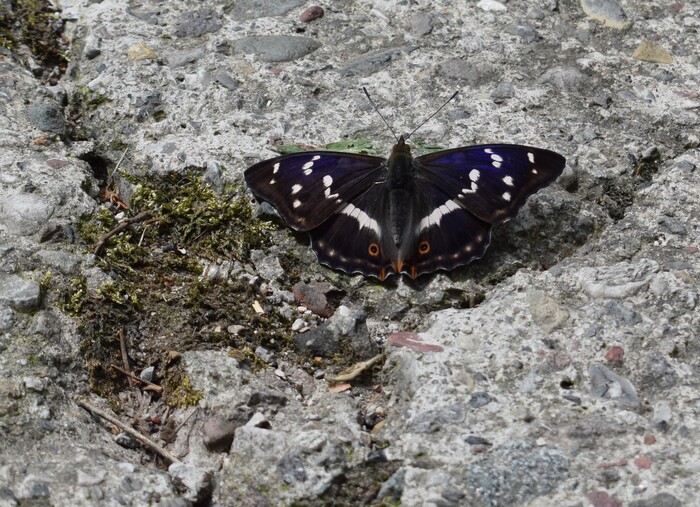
column 493, row 181
column 309, row 187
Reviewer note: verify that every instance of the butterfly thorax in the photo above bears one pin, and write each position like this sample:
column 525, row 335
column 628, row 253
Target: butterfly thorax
column 400, row 187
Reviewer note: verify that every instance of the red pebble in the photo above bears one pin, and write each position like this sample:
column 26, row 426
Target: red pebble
column 642, row 462
column 692, row 249
column 649, row 439
column 313, row 12
column 614, row 355
column 602, row 499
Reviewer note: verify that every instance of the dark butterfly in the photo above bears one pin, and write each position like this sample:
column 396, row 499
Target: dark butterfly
column 379, row 216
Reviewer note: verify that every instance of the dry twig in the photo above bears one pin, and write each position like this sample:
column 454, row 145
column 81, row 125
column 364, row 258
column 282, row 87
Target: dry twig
column 122, row 225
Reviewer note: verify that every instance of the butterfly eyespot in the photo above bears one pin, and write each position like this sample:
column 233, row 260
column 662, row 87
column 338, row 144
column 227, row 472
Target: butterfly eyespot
column 373, row 249
column 424, row 247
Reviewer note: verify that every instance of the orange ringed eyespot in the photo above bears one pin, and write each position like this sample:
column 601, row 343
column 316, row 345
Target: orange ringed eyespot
column 424, row 247
column 373, row 249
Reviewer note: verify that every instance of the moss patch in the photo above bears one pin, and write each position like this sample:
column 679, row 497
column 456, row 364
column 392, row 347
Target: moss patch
column 157, row 298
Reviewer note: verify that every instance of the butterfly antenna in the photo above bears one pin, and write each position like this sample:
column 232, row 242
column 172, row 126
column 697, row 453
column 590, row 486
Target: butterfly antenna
column 430, row 117
column 380, row 114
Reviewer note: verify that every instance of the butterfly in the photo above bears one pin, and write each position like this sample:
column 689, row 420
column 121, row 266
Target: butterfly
column 379, row 217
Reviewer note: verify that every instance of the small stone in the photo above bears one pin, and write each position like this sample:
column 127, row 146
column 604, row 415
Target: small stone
column 193, row 483
column 7, row 318
column 614, row 355
column 269, row 398
column 374, row 62
column 480, row 399
column 298, row 324
column 47, row 117
column 311, row 13
column 126, row 441
column 253, row 9
column 93, row 478
column 291, row 469
column 258, row 420
column 660, row 500
column 602, row 499
column 18, row 293
column 313, row 297
column 147, row 374
column 392, row 487
column 226, row 80
column 525, row 32
column 607, row 12
column 566, row 79
column 491, row 6
column 185, row 57
column 643, row 462
column 502, row 92
column 218, row 434
column 649, row 439
column 608, row 385
column 197, row 23
column 92, row 53
column 265, row 355
column 276, row 48
column 421, row 24
column 651, row 52
column 141, row 51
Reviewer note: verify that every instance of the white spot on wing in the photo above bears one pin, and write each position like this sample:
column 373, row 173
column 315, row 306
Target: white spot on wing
column 316, row 157
column 275, row 168
column 296, row 203
column 531, row 157
column 327, row 180
column 296, row 189
column 273, row 181
column 436, row 216
column 307, row 167
column 534, row 171
column 497, row 158
column 506, row 196
column 488, row 150
column 328, row 194
column 474, row 175
column 508, row 180
column 363, row 219
column 497, row 165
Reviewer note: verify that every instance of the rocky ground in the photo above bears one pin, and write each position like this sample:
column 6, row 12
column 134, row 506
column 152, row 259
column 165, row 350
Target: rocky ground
column 140, row 281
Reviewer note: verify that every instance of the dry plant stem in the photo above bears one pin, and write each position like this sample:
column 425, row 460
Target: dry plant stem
column 150, row 386
column 145, row 440
column 125, row 357
column 123, row 224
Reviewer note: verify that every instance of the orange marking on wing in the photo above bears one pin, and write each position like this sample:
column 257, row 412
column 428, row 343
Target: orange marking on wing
column 398, row 266
column 382, row 274
column 414, row 272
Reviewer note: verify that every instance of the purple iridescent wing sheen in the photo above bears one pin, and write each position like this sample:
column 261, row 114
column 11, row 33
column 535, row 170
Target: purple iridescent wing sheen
column 307, row 188
column 491, row 181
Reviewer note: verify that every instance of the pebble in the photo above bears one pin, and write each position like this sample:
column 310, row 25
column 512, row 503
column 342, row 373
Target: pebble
column 225, row 80
column 18, row 293
column 566, row 79
column 606, row 384
column 276, row 48
column 502, row 92
column 252, row 9
column 311, row 13
column 525, row 32
column 194, row 483
column 140, row 52
column 607, row 12
column 217, row 433
column 480, row 399
column 291, row 469
column 659, row 500
column 421, row 24
column 47, row 117
column 312, row 296
column 602, row 499
column 7, row 317
column 651, row 52
column 185, row 57
column 491, row 6
column 197, row 23
column 374, row 62
column 147, row 374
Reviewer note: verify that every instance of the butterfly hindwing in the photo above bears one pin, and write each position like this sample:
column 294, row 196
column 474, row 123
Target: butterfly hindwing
column 492, row 181
column 351, row 240
column 447, row 235
column 307, row 188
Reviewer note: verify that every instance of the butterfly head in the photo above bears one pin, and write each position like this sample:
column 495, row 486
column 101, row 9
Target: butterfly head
column 401, row 146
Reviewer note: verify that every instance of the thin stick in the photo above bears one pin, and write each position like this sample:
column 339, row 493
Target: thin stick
column 151, row 386
column 125, row 356
column 145, row 440
column 380, row 114
column 431, row 116
column 123, row 224
column 116, row 167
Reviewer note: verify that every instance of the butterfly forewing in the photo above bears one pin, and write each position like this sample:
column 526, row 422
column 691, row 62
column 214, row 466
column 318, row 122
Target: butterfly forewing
column 492, row 181
column 307, row 188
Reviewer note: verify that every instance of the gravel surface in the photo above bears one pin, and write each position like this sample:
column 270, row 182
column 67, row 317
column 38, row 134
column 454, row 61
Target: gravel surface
column 559, row 370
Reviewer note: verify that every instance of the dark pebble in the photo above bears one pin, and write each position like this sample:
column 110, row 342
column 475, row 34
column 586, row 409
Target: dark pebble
column 480, row 399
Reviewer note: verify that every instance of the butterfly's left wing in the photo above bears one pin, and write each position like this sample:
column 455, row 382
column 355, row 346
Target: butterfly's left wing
column 492, row 181
column 307, row 188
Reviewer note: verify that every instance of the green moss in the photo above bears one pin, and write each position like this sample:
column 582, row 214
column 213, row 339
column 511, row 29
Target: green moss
column 157, row 298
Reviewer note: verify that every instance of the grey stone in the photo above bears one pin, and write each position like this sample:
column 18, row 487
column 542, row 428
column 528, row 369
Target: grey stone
column 252, row 9
column 225, row 80
column 607, row 12
column 18, row 293
column 546, row 312
column 623, row 314
column 480, row 399
column 565, row 79
column 64, row 262
column 658, row 372
column 392, row 488
column 606, row 384
column 658, row 500
column 291, row 469
column 374, row 62
column 218, row 433
column 197, row 23
column 185, row 57
column 276, row 48
column 502, row 92
column 435, row 419
column 267, row 266
column 421, row 24
column 22, row 213
column 472, row 73
column 47, row 117
column 7, row 317
column 516, row 473
column 525, row 32
column 147, row 374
